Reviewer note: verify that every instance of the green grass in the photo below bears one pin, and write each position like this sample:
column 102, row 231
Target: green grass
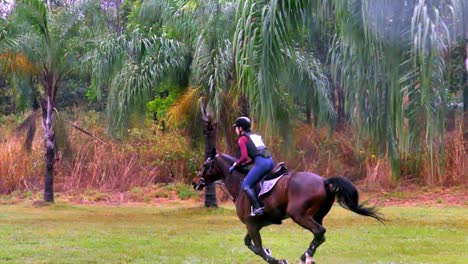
column 183, row 233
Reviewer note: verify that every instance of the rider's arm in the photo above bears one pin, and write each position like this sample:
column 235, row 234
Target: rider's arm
column 244, row 159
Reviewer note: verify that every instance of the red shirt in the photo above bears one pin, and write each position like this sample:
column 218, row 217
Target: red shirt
column 244, row 159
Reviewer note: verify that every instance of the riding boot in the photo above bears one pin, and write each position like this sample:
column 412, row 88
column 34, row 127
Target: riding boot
column 257, row 208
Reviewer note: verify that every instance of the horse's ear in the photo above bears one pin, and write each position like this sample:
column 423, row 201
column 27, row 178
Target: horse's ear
column 213, row 153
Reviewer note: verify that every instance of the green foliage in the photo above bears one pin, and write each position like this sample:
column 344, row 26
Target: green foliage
column 168, row 151
column 91, row 93
column 24, row 93
column 73, row 93
column 387, row 56
column 5, row 101
column 269, row 39
column 160, row 105
column 185, row 191
column 133, row 66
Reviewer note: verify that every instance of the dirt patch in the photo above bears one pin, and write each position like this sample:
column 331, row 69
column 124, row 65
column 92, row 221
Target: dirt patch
column 407, row 195
column 412, row 195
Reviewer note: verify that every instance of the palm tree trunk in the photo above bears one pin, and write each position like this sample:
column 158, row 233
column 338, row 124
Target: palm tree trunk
column 48, row 123
column 210, row 144
column 465, row 90
column 209, row 131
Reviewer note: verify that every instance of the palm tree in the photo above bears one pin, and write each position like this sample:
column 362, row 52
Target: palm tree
column 206, row 28
column 44, row 39
column 388, row 56
column 276, row 66
column 465, row 91
column 213, row 71
column 130, row 66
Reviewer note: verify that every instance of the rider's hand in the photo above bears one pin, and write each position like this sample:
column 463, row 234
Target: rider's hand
column 232, row 168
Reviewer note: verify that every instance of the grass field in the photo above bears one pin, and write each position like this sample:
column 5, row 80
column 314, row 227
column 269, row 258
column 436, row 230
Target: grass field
column 189, row 233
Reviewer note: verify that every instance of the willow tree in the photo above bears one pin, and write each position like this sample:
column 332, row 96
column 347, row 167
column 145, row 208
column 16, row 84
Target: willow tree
column 45, row 40
column 388, row 56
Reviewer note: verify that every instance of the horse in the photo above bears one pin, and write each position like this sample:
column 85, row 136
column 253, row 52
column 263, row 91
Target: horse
column 304, row 197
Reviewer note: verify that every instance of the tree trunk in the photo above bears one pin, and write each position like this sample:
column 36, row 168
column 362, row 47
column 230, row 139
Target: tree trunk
column 338, row 101
column 308, row 113
column 465, row 90
column 48, row 123
column 210, row 144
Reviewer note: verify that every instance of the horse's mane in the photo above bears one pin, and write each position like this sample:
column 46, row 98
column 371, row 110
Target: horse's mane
column 228, row 158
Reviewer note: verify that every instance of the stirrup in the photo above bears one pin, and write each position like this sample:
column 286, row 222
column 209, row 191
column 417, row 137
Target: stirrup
column 257, row 212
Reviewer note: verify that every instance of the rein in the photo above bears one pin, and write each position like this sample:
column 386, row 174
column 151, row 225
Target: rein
column 221, row 185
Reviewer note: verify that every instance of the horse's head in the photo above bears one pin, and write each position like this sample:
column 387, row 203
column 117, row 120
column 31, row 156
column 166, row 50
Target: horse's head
column 210, row 172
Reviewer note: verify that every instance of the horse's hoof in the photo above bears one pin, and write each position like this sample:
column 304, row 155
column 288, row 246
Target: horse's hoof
column 267, row 251
column 306, row 259
column 283, row 261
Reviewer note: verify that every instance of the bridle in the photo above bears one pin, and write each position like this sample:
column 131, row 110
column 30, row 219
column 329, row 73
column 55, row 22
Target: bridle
column 207, row 166
column 202, row 182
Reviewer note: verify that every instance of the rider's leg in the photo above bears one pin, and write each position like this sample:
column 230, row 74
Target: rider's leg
column 253, row 198
column 262, row 165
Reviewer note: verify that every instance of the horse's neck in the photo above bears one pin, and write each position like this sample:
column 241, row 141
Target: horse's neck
column 232, row 181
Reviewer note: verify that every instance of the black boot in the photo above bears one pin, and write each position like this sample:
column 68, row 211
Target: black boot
column 257, row 208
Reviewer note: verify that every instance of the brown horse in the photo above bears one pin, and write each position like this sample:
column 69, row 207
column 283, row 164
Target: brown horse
column 304, row 197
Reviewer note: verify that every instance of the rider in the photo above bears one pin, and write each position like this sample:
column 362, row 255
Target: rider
column 253, row 150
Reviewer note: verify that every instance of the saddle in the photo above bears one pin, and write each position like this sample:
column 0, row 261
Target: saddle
column 277, row 171
column 269, row 181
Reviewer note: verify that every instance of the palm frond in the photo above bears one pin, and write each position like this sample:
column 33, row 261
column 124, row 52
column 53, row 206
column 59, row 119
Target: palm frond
column 34, row 12
column 213, row 67
column 28, row 125
column 170, row 15
column 148, row 61
column 389, row 58
column 310, row 85
column 186, row 106
column 261, row 42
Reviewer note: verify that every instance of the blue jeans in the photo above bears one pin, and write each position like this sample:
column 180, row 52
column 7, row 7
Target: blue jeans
column 260, row 168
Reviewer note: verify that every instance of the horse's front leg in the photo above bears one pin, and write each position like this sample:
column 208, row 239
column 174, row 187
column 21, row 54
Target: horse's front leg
column 254, row 235
column 248, row 243
column 252, row 247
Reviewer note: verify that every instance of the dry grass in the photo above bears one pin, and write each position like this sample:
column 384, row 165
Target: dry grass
column 106, row 166
column 456, row 164
column 18, row 169
column 150, row 156
column 328, row 155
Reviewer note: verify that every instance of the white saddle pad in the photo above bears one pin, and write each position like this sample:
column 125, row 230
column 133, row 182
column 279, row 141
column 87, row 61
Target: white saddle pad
column 268, row 185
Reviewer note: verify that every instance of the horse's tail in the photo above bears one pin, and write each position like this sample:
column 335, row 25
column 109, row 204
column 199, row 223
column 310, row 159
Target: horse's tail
column 348, row 197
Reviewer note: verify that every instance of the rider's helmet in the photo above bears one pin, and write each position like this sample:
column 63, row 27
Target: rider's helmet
column 243, row 122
